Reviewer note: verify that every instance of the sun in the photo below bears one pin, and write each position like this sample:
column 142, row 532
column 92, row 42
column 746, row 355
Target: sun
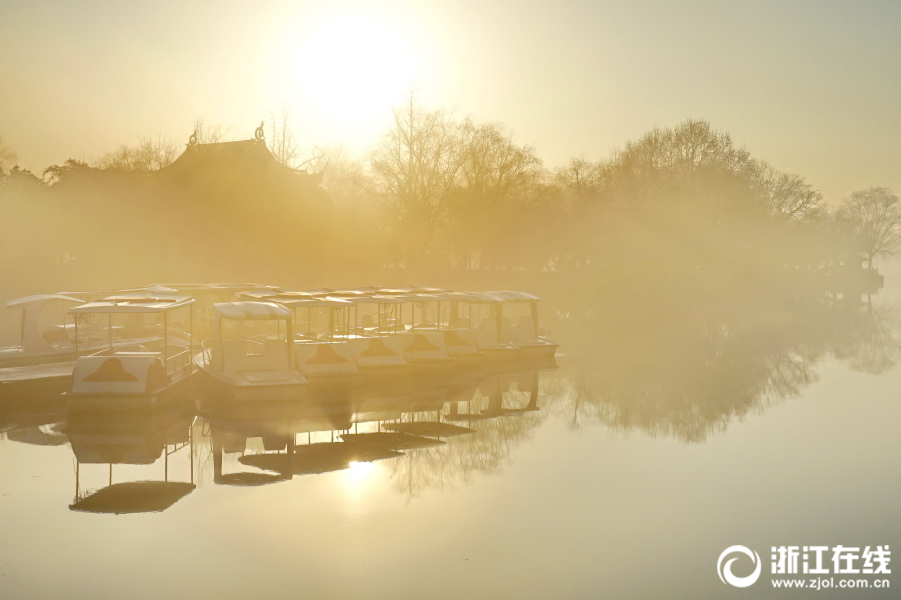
column 351, row 68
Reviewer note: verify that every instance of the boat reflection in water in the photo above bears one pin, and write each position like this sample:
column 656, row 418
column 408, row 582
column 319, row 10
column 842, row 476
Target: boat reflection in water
column 249, row 443
column 335, row 427
column 131, row 438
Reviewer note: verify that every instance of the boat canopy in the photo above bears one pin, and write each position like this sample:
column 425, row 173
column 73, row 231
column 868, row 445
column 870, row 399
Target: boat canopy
column 321, row 302
column 289, row 294
column 429, row 297
column 40, row 298
column 347, row 293
column 374, row 299
column 479, row 298
column 511, row 296
column 461, row 296
column 251, row 311
column 331, row 292
column 133, row 303
column 241, row 286
column 411, row 289
column 296, row 299
column 159, row 289
column 98, row 294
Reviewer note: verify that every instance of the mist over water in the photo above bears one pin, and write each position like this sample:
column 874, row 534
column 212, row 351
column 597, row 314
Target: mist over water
column 726, row 373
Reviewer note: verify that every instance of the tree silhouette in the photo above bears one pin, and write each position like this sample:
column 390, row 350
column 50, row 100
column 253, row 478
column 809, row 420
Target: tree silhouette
column 874, row 216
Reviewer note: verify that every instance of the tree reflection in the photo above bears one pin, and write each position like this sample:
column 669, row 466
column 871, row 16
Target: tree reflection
column 502, row 410
column 686, row 367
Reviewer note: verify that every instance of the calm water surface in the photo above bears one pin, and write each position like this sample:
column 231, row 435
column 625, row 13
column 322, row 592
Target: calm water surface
column 667, row 434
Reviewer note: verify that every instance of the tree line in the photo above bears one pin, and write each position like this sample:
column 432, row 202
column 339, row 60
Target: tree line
column 435, row 195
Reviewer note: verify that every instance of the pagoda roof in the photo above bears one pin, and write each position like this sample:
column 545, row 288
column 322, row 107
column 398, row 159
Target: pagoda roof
column 251, row 155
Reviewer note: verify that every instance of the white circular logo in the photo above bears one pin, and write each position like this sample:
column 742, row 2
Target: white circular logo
column 725, row 570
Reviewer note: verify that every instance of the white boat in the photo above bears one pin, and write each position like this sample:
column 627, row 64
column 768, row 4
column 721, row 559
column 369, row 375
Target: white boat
column 525, row 334
column 385, row 341
column 43, row 342
column 147, row 372
column 456, row 342
column 377, row 345
column 257, row 368
column 321, row 357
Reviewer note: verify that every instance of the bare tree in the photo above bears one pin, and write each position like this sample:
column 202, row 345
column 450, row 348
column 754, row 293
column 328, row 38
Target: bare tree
column 148, row 155
column 874, row 215
column 497, row 181
column 282, row 142
column 343, row 176
column 7, row 156
column 787, row 196
column 580, row 180
column 205, row 133
column 414, row 169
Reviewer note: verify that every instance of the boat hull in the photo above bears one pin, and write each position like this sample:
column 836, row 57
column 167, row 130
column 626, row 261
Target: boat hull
column 217, row 388
column 147, row 401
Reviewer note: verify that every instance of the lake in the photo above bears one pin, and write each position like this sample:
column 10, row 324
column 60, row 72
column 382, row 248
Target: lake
column 676, row 426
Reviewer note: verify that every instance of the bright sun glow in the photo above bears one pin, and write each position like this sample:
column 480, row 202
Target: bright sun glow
column 352, row 68
column 360, row 470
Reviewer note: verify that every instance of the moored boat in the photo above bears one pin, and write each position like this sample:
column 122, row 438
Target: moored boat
column 255, row 368
column 145, row 374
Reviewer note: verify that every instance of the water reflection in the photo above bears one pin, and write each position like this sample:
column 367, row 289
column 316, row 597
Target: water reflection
column 683, row 367
column 131, row 438
column 500, row 411
column 426, row 423
column 687, row 367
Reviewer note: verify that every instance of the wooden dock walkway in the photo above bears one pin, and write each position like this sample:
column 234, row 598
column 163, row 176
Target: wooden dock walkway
column 24, row 374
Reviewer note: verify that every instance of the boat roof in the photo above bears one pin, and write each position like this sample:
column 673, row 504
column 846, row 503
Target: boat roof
column 378, row 299
column 251, row 311
column 348, row 293
column 98, row 294
column 461, row 296
column 158, row 289
column 313, row 302
column 133, row 303
column 241, row 286
column 513, row 296
column 40, row 298
column 428, row 297
column 410, row 289
column 284, row 294
column 184, row 287
column 295, row 299
column 494, row 297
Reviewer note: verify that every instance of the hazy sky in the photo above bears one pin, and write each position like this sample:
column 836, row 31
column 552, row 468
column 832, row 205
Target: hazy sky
column 813, row 87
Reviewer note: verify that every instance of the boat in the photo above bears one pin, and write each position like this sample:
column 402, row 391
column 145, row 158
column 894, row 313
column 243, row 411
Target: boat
column 144, row 374
column 325, row 357
column 45, row 358
column 383, row 341
column 255, row 368
column 375, row 336
column 495, row 334
column 457, row 343
column 526, row 333
column 41, row 342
